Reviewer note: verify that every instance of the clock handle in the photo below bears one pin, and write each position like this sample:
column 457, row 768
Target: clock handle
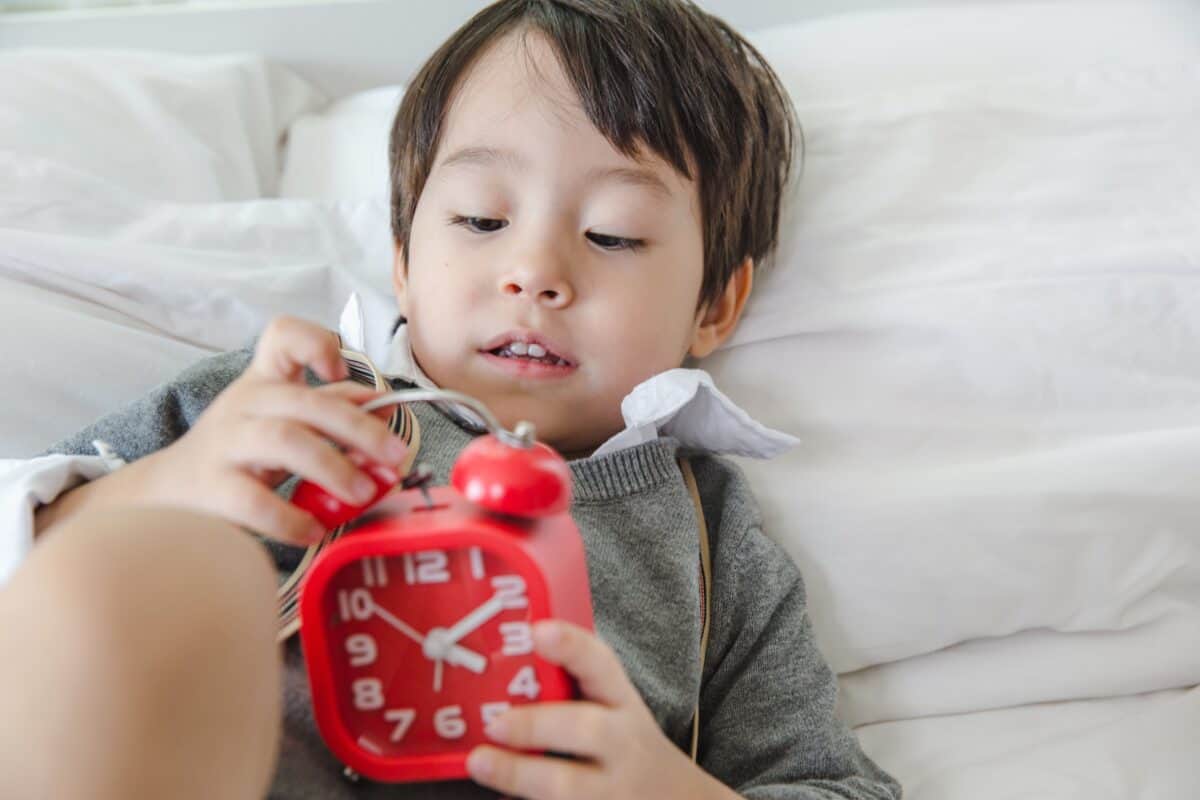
column 332, row 512
column 522, row 435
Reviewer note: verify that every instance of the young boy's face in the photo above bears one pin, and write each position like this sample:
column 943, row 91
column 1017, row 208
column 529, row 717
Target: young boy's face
column 532, row 228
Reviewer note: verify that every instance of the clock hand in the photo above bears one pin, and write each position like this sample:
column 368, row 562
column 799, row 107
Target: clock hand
column 473, row 620
column 462, row 657
column 437, row 675
column 454, row 654
column 398, row 624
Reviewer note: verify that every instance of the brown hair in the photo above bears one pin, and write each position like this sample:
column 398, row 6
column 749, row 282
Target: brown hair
column 658, row 73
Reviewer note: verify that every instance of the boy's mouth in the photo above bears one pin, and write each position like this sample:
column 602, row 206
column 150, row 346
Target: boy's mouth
column 528, row 356
column 529, row 347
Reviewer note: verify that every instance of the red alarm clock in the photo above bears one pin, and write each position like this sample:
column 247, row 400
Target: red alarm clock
column 415, row 624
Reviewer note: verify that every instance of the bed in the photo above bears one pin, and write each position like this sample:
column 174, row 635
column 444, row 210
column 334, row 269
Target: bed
column 983, row 323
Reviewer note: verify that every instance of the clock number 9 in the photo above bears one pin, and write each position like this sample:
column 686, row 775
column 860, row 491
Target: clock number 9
column 362, row 649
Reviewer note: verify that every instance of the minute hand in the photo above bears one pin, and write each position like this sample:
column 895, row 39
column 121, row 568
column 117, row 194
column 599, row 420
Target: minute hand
column 473, row 620
column 456, row 654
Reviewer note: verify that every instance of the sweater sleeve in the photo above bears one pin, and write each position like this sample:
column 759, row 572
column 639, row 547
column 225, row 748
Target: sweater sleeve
column 148, row 424
column 164, row 414
column 768, row 724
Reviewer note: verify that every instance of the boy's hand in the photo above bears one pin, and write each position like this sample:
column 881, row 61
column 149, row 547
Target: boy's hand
column 269, row 423
column 622, row 752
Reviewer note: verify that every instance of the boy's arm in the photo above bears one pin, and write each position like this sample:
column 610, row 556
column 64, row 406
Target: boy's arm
column 768, row 727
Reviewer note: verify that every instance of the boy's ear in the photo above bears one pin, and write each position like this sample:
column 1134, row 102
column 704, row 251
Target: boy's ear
column 716, row 320
column 400, row 279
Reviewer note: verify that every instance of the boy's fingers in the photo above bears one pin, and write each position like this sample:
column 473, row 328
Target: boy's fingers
column 358, row 394
column 282, row 444
column 534, row 777
column 595, row 666
column 254, row 506
column 333, row 415
column 290, row 344
column 575, row 727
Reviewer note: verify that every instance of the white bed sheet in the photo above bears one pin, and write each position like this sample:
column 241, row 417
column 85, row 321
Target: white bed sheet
column 1141, row 747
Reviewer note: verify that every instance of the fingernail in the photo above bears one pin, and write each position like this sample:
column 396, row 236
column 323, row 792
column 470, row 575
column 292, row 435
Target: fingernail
column 547, row 633
column 479, row 764
column 364, row 488
column 316, row 533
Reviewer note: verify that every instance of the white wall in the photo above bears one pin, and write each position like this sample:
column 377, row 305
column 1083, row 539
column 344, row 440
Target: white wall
column 342, row 45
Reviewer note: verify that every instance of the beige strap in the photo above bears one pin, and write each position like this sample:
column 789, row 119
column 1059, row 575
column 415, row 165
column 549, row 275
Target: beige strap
column 689, row 478
column 403, row 423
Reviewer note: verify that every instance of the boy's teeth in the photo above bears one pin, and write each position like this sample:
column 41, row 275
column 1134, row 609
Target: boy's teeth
column 530, row 351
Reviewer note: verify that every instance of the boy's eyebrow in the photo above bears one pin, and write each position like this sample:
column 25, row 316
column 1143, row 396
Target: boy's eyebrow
column 511, row 159
column 484, row 157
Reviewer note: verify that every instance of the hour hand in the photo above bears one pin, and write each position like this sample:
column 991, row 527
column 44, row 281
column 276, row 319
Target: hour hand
column 476, row 618
column 437, row 647
column 462, row 657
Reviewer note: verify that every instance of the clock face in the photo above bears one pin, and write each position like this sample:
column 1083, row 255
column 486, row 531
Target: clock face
column 424, row 648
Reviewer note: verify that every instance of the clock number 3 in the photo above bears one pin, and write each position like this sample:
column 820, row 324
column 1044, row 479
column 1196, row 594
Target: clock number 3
column 518, row 638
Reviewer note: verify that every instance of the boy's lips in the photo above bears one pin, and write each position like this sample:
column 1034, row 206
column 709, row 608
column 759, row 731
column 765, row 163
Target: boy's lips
column 548, row 359
column 526, row 338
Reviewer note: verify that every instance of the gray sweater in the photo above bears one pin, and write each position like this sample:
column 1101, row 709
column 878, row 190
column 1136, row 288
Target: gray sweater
column 767, row 698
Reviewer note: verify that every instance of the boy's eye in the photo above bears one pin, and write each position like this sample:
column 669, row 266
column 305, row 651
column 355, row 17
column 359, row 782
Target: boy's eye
column 615, row 242
column 478, row 224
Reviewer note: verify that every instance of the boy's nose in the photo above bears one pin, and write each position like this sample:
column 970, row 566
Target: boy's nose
column 543, row 290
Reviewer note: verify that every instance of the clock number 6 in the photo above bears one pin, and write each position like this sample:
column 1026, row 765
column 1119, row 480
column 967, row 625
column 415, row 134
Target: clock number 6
column 448, row 722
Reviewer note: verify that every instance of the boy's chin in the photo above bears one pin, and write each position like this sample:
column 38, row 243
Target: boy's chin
column 574, row 435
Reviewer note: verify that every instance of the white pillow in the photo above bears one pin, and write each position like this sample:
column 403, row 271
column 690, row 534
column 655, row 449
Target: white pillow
column 181, row 128
column 981, row 323
column 104, row 294
column 341, row 153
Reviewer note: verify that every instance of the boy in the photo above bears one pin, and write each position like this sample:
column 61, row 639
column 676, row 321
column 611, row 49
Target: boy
column 581, row 191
